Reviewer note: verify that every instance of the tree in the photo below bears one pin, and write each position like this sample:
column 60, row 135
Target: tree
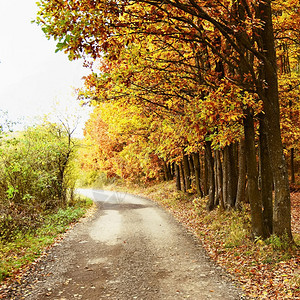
column 236, row 38
column 36, row 175
column 119, row 143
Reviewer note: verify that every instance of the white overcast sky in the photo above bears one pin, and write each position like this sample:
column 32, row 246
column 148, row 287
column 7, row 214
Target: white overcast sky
column 32, row 76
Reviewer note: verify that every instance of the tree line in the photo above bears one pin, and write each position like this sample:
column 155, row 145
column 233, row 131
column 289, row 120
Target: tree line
column 209, row 90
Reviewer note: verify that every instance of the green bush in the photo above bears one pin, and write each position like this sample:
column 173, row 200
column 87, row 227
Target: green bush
column 36, row 176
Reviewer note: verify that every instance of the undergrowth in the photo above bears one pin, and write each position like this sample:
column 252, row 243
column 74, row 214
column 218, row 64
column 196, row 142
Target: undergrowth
column 25, row 247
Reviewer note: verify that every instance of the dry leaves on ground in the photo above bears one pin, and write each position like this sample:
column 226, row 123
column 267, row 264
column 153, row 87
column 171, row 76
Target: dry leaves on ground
column 263, row 270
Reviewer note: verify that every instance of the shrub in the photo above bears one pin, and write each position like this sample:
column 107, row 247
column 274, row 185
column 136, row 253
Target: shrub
column 35, row 176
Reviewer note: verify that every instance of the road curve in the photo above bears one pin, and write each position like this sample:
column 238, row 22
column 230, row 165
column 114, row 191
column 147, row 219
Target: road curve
column 129, row 249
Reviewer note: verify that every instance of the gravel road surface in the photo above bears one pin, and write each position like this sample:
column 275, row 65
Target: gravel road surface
column 130, row 248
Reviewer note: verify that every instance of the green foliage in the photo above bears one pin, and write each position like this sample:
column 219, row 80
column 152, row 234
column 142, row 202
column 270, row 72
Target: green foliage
column 279, row 243
column 36, row 176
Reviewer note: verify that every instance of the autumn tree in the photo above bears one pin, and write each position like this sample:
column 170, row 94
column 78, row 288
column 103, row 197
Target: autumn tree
column 236, row 38
column 117, row 143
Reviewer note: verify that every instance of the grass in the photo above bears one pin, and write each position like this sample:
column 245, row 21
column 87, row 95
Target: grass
column 26, row 247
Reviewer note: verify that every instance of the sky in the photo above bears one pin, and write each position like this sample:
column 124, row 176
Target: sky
column 33, row 78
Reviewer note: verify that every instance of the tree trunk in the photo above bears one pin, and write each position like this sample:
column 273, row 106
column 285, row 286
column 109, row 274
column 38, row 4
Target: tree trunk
column 192, row 166
column 183, row 177
column 233, row 175
column 240, row 195
column 266, row 178
column 167, row 171
column 217, row 198
column 211, row 181
column 225, row 175
column 177, row 175
column 270, row 97
column 230, row 177
column 219, row 178
column 205, row 177
column 196, row 160
column 170, row 169
column 187, row 172
column 252, row 174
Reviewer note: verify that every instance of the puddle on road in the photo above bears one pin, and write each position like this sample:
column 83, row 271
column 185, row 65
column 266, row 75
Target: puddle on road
column 107, row 228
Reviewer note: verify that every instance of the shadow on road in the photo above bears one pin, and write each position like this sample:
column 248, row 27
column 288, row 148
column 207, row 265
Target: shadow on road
column 124, row 206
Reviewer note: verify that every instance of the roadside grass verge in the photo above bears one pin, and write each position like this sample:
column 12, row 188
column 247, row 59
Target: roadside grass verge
column 265, row 269
column 26, row 247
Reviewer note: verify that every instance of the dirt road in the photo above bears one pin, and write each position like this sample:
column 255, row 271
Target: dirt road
column 129, row 249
